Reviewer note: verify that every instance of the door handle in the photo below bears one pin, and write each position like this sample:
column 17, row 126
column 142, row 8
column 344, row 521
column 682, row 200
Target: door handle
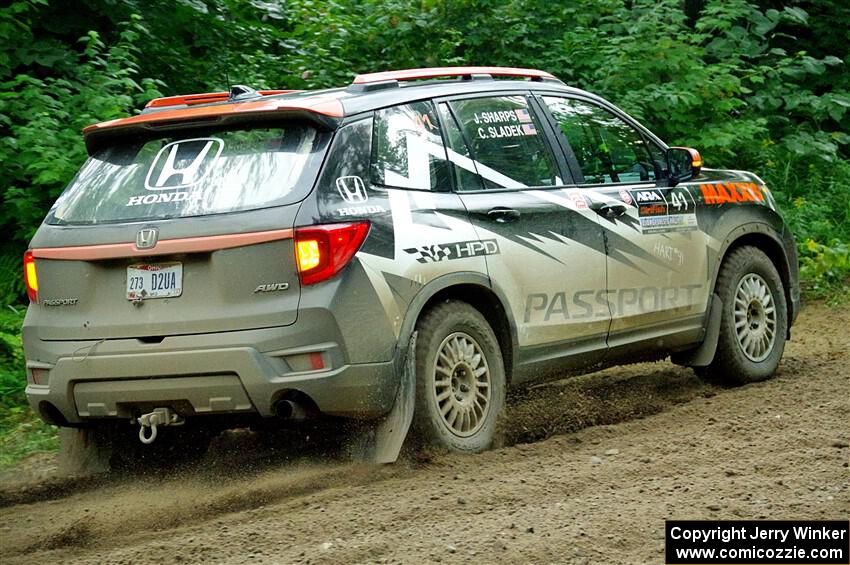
column 608, row 210
column 503, row 215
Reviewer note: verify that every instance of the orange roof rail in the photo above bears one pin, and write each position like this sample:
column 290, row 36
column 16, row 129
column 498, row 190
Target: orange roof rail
column 205, row 98
column 435, row 72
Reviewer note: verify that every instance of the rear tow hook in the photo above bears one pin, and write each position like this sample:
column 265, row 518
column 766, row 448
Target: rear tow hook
column 159, row 417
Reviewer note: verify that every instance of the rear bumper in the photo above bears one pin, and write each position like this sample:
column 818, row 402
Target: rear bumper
column 221, row 373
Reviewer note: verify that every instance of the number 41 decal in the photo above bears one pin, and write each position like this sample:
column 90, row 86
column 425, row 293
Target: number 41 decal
column 681, row 201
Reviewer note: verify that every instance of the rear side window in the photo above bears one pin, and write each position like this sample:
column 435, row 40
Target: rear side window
column 506, row 142
column 407, row 148
column 608, row 150
column 193, row 173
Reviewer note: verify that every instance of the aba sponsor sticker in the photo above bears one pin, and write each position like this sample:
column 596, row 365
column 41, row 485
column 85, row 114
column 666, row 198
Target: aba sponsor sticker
column 665, row 210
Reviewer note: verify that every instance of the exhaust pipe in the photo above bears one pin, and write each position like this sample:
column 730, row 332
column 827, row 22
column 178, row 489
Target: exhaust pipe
column 289, row 410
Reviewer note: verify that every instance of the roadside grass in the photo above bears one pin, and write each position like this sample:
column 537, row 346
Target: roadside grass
column 22, row 433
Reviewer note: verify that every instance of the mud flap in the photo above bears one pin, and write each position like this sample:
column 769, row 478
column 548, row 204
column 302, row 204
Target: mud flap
column 703, row 355
column 390, row 432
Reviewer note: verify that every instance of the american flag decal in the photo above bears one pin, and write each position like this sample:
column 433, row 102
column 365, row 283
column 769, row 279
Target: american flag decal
column 529, row 129
column 523, row 115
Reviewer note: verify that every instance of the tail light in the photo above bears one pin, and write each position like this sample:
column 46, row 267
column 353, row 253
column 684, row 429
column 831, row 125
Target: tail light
column 30, row 278
column 324, row 250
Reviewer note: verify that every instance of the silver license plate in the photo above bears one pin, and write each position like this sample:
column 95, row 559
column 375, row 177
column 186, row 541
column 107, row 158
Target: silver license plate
column 154, row 280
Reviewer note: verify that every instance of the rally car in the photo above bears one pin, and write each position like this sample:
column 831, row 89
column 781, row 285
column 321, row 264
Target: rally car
column 404, row 248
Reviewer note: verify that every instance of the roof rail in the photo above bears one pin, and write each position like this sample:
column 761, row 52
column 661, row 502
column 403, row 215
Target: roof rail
column 466, row 72
column 205, row 98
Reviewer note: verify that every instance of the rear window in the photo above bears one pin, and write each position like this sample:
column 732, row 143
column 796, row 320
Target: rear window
column 193, row 173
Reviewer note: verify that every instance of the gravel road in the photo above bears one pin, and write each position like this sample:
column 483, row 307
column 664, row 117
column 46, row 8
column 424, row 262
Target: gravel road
column 591, row 468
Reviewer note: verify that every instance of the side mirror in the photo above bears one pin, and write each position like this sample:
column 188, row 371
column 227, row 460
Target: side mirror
column 683, row 163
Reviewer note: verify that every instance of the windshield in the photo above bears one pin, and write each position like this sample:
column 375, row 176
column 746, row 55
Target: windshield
column 193, row 173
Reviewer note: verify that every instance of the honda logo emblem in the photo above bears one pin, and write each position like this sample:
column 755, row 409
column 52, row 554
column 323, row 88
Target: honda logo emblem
column 187, row 162
column 146, row 238
column 352, row 189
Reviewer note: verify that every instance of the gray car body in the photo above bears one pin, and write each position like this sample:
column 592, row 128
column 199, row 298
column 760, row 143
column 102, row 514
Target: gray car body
column 568, row 291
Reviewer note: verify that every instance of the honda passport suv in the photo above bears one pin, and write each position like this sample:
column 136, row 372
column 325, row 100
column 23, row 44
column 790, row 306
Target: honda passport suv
column 228, row 259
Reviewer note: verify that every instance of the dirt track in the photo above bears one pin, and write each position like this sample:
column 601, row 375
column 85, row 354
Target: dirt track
column 681, row 449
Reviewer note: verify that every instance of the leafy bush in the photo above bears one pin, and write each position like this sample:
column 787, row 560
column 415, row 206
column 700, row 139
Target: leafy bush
column 12, row 377
column 21, row 431
column 826, row 268
column 754, row 85
column 41, row 115
column 760, row 85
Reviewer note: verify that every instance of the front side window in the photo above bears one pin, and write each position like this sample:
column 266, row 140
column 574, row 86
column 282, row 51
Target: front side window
column 193, row 173
column 407, row 148
column 506, row 143
column 608, row 150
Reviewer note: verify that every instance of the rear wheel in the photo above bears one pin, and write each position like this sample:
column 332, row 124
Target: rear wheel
column 754, row 320
column 460, row 379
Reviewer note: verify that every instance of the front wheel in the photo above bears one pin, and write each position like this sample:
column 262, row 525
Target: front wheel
column 754, row 320
column 460, row 379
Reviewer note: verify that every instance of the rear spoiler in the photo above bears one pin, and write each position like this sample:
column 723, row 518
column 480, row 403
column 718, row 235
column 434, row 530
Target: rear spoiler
column 324, row 111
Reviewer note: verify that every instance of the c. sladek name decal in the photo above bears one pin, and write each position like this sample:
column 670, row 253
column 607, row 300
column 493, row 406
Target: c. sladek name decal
column 603, row 302
column 450, row 251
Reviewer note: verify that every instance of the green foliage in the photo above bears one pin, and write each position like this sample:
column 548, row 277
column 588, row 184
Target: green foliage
column 21, row 431
column 760, row 85
column 826, row 267
column 41, row 115
column 12, row 377
column 754, row 85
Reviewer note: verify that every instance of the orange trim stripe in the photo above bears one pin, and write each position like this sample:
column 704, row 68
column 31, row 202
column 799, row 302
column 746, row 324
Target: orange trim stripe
column 163, row 247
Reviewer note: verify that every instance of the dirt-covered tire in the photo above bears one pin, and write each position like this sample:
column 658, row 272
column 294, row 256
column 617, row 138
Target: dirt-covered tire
column 460, row 379
column 97, row 449
column 754, row 319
